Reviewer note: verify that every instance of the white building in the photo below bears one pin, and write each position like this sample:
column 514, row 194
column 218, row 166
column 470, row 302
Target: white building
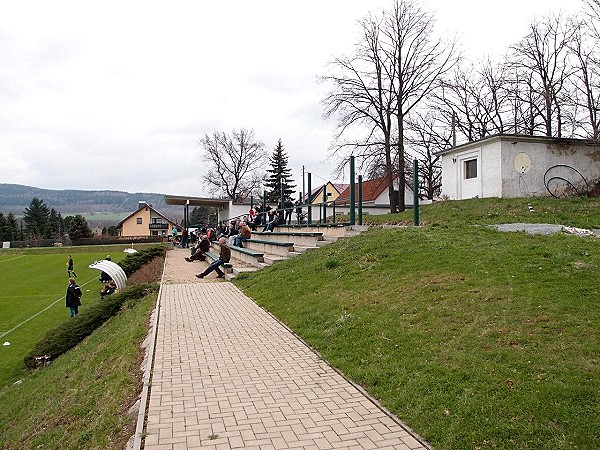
column 520, row 166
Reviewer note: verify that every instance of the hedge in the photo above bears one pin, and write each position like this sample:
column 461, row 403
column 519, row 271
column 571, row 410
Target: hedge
column 134, row 261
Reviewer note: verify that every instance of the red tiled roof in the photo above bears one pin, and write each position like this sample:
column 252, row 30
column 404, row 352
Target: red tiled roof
column 371, row 189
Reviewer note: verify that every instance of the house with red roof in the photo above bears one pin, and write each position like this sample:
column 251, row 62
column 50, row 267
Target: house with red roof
column 375, row 197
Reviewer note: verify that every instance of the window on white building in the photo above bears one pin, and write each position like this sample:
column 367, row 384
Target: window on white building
column 471, row 168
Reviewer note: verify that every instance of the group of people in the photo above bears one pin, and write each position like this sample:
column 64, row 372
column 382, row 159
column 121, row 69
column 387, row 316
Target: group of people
column 235, row 232
column 74, row 294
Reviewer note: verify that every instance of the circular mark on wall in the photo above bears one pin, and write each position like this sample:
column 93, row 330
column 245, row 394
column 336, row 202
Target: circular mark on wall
column 522, row 162
column 562, row 180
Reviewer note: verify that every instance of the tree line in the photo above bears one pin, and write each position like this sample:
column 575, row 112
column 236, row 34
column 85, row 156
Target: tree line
column 406, row 92
column 41, row 222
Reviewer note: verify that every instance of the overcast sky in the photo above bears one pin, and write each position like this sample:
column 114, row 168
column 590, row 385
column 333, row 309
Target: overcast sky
column 116, row 94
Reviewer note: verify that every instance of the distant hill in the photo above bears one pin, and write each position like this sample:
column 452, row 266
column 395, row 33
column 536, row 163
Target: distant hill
column 97, row 206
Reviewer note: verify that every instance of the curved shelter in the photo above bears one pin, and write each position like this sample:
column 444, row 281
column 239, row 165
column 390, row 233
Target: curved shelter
column 114, row 270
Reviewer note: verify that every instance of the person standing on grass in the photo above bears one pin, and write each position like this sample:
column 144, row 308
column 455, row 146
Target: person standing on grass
column 73, row 299
column 70, row 270
column 224, row 257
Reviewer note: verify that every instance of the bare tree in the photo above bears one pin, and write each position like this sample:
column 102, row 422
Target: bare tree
column 361, row 98
column 541, row 60
column 586, row 83
column 236, row 163
column 397, row 63
column 428, row 134
column 419, row 60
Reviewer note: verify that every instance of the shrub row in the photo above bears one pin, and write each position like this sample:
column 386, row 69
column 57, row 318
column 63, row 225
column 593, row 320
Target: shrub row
column 134, row 261
column 66, row 336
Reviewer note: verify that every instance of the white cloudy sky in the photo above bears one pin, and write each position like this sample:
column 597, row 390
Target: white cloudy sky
column 117, row 94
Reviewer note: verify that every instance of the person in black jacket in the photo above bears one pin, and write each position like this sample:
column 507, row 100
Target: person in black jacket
column 73, row 299
column 201, row 249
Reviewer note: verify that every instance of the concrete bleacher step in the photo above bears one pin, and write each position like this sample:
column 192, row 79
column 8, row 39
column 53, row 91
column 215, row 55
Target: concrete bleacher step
column 296, row 237
column 272, row 259
column 270, row 246
column 265, row 249
column 299, row 249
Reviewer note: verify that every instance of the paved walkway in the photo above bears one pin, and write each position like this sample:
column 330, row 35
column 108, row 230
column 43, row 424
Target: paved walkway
column 227, row 375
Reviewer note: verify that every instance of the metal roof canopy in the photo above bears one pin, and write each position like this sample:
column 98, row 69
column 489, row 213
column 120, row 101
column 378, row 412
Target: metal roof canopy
column 196, row 201
column 114, row 270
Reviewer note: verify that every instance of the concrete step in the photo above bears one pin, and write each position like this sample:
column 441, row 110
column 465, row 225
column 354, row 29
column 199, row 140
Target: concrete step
column 306, row 248
column 272, row 259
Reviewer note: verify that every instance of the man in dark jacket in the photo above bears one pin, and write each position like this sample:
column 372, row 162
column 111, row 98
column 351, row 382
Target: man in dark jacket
column 224, row 257
column 73, row 299
column 201, row 249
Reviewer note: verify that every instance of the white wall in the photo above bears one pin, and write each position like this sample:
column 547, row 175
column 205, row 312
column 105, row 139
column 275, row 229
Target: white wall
column 562, row 164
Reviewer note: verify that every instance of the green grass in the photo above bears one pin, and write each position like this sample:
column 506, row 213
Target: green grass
column 475, row 338
column 33, row 283
column 578, row 212
column 81, row 400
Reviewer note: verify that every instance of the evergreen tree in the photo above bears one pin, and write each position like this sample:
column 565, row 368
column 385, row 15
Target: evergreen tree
column 36, row 218
column 56, row 227
column 78, row 228
column 14, row 227
column 202, row 215
column 4, row 231
column 280, row 175
column 112, row 230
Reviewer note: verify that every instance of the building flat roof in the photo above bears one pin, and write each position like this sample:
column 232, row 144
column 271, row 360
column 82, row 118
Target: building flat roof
column 196, row 201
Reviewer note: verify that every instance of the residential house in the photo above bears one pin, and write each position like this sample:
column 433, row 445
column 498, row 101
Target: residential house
column 146, row 221
column 332, row 192
column 375, row 197
column 512, row 166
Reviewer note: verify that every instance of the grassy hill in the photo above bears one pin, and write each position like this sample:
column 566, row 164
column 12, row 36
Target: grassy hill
column 477, row 339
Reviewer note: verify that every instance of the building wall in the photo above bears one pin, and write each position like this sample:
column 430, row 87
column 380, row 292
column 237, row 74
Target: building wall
column 331, row 193
column 131, row 228
column 521, row 166
column 539, row 168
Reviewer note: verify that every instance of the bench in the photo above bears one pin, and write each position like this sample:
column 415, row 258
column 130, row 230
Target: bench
column 245, row 254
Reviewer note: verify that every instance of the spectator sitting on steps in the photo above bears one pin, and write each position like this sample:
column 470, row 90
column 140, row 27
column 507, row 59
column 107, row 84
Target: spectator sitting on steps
column 244, row 234
column 224, row 257
column 201, row 249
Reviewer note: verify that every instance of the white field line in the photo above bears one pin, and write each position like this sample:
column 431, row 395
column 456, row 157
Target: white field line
column 12, row 259
column 38, row 313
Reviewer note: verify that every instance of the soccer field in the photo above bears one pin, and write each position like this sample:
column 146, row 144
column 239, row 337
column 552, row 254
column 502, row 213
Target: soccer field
column 32, row 298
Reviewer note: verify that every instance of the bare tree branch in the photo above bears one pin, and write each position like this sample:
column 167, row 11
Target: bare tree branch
column 236, row 163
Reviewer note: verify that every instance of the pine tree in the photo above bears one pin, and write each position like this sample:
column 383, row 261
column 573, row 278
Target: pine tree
column 4, row 231
column 36, row 218
column 14, row 228
column 78, row 228
column 280, row 175
column 56, row 226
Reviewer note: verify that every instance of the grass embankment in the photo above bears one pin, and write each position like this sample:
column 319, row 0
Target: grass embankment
column 477, row 339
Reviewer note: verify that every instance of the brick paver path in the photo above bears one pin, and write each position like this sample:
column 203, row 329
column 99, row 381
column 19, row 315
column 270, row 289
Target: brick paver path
column 227, row 374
